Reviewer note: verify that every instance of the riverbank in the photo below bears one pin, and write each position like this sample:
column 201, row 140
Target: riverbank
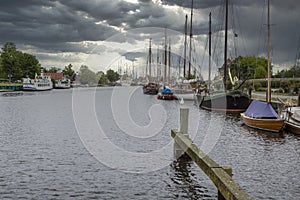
column 289, row 99
column 8, row 87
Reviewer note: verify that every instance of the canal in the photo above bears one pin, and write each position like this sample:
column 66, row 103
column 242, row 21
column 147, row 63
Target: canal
column 115, row 143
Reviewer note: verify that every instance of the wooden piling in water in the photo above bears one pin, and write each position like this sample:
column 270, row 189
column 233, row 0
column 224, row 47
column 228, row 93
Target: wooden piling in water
column 184, row 125
column 220, row 176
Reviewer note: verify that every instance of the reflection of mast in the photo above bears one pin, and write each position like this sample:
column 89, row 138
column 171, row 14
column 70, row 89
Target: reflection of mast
column 191, row 36
column 185, row 37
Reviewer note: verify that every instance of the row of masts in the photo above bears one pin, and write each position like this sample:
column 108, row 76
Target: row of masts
column 167, row 54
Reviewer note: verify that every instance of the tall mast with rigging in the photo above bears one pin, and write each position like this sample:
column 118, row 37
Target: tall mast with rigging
column 185, row 38
column 150, row 59
column 269, row 49
column 165, row 58
column 209, row 52
column 225, row 45
column 169, row 61
column 191, row 36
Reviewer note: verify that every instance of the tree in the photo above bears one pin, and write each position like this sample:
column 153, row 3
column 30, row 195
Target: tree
column 87, row 76
column 103, row 80
column 52, row 70
column 68, row 71
column 249, row 67
column 16, row 65
column 112, row 75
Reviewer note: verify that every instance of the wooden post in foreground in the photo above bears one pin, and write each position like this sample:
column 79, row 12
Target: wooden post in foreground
column 228, row 170
column 184, row 126
column 220, row 176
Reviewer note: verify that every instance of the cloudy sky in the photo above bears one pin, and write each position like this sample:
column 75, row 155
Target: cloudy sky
column 111, row 33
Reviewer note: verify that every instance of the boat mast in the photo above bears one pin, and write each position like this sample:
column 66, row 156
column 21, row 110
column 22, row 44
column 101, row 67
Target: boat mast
column 269, row 48
column 185, row 38
column 150, row 59
column 157, row 63
column 169, row 74
column 225, row 45
column 191, row 36
column 165, row 57
column 209, row 52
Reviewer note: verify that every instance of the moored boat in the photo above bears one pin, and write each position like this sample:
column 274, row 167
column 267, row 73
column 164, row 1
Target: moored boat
column 234, row 101
column 63, row 83
column 292, row 119
column 231, row 102
column 166, row 94
column 261, row 115
column 39, row 83
column 151, row 88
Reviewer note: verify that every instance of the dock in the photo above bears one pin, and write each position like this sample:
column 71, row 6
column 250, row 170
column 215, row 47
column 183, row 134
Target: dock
column 221, row 176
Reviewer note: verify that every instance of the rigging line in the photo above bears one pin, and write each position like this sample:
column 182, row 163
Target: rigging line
column 261, row 31
column 205, row 49
column 243, row 45
column 219, row 34
column 233, row 25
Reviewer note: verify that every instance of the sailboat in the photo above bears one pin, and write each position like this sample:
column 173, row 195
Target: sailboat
column 234, row 101
column 150, row 88
column 261, row 115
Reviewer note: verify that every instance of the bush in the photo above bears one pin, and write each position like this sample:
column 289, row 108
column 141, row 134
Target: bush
column 261, row 89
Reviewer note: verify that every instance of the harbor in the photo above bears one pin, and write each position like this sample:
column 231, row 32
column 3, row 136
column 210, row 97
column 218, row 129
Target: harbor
column 150, row 99
column 45, row 157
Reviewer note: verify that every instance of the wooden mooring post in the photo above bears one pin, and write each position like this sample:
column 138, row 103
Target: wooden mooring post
column 220, row 176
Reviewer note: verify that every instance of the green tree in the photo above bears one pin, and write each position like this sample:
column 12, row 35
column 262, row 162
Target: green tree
column 112, row 75
column 30, row 65
column 16, row 63
column 52, row 70
column 103, row 80
column 86, row 76
column 249, row 67
column 68, row 71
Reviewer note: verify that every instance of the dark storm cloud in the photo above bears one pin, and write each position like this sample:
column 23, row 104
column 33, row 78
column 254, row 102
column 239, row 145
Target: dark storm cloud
column 56, row 25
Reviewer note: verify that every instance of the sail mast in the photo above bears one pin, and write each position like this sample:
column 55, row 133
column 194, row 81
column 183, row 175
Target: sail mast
column 185, row 38
column 169, row 60
column 150, row 59
column 209, row 52
column 269, row 49
column 191, row 36
column 225, row 45
column 165, row 58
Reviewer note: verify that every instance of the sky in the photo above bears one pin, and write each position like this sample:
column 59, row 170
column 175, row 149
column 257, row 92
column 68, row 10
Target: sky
column 103, row 34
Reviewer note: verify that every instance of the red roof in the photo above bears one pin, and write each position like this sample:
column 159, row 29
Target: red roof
column 56, row 76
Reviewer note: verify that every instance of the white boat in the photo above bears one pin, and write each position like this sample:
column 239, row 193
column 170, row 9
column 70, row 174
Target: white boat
column 39, row 83
column 63, row 83
column 292, row 119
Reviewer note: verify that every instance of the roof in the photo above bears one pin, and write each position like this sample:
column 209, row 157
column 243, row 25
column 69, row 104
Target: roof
column 56, row 76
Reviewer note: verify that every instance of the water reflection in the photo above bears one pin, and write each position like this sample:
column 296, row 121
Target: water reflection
column 187, row 184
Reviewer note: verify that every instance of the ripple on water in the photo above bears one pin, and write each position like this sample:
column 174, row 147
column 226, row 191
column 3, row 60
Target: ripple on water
column 42, row 156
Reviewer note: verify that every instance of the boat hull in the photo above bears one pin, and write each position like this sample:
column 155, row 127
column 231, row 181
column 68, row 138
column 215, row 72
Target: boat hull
column 151, row 89
column 273, row 125
column 292, row 127
column 226, row 102
column 36, row 88
column 167, row 96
